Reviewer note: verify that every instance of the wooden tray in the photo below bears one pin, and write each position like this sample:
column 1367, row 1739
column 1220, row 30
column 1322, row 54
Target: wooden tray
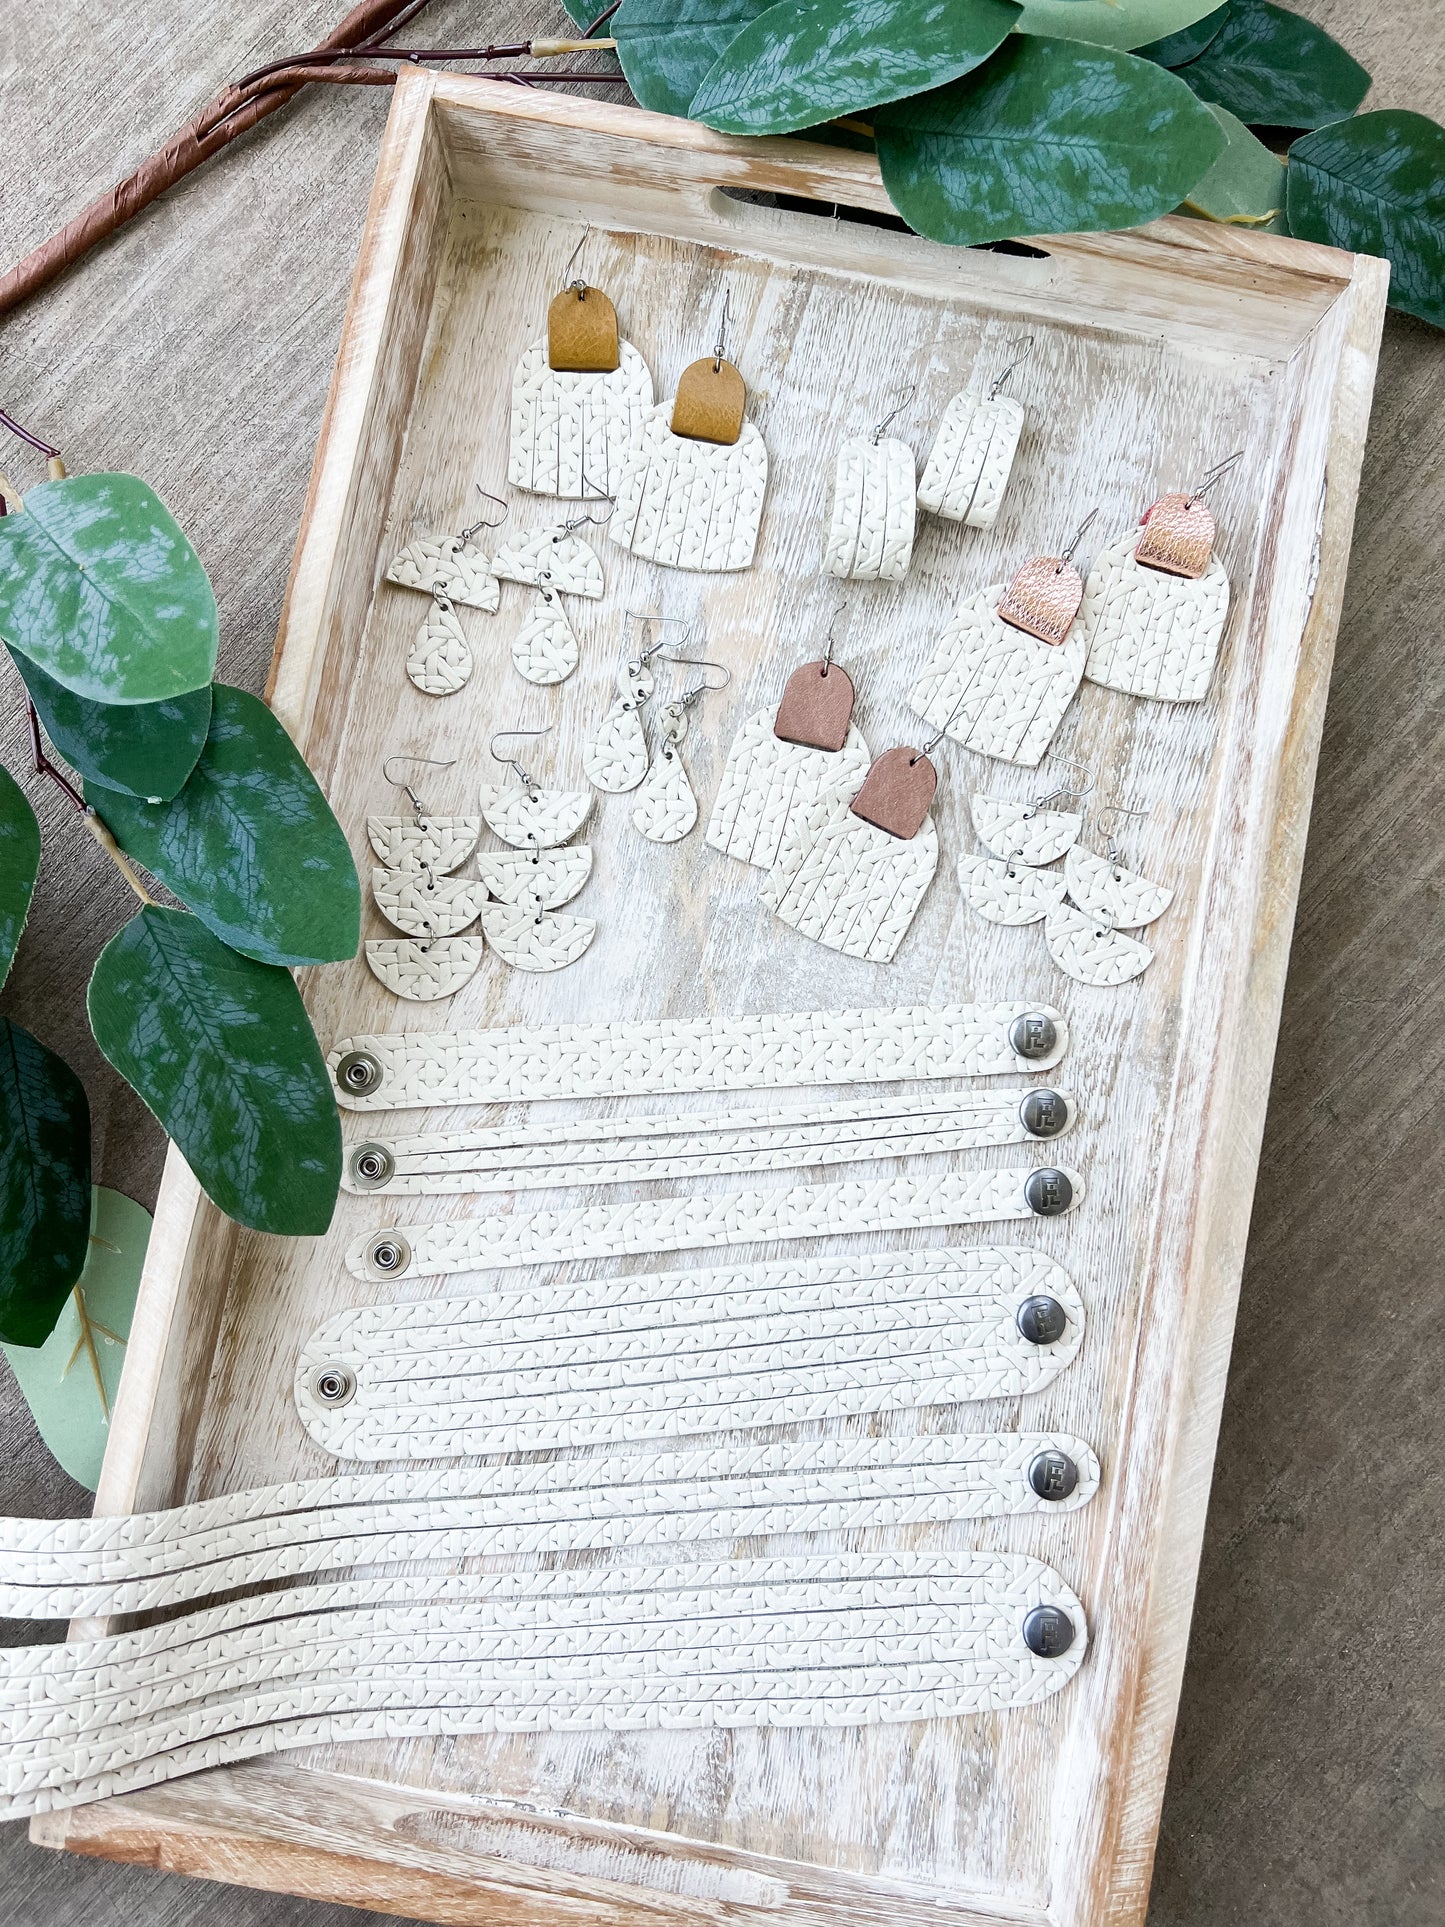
column 1156, row 353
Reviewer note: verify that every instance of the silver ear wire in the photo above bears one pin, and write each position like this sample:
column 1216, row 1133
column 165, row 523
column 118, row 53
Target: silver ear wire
column 720, row 346
column 1216, row 474
column 418, row 809
column 1076, row 538
column 1061, row 791
column 1018, row 361
column 481, row 521
column 828, row 639
column 580, row 285
column 704, row 688
column 1111, row 844
column 511, row 761
column 893, row 415
column 664, row 623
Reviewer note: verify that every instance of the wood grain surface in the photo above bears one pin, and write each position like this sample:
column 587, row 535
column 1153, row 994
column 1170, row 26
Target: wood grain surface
column 196, row 349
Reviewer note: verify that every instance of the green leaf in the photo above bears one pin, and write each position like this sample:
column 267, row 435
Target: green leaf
column 1377, row 185
column 19, row 865
column 100, row 587
column 221, row 1050
column 250, row 842
column 1274, row 69
column 44, row 1184
column 70, row 1381
column 667, row 46
column 141, row 749
column 1111, row 23
column 583, row 12
column 1175, row 48
column 797, row 65
column 1050, row 137
column 1245, row 185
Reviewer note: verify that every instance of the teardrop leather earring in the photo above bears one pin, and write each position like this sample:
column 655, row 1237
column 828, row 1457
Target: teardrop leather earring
column 870, row 523
column 968, row 466
column 782, row 763
column 544, row 649
column 616, row 758
column 450, row 570
column 666, row 806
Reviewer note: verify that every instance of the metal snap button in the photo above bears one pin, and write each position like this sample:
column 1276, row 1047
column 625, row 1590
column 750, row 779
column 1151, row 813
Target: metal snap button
column 389, row 1253
column 1034, row 1034
column 1053, row 1475
column 333, row 1385
column 357, row 1073
column 1048, row 1631
column 1042, row 1320
column 371, row 1166
column 1044, row 1113
column 1048, row 1193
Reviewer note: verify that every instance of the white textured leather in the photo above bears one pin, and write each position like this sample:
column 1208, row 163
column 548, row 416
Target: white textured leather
column 534, row 819
column 690, row 505
column 1023, row 830
column 423, row 905
column 1111, row 894
column 632, row 1500
column 833, row 1639
column 847, row 884
column 968, row 466
column 995, row 689
column 544, row 880
column 440, row 661
column 669, row 1056
column 631, row 1149
column 666, row 806
column 439, row 843
column 446, row 565
column 1091, row 952
column 769, row 787
column 529, row 939
column 700, row 1222
column 553, row 555
column 1008, row 892
column 616, row 758
column 544, row 649
column 1148, row 633
column 870, row 522
column 570, row 431
column 423, row 973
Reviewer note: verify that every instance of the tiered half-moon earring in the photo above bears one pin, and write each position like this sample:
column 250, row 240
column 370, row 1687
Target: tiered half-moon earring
column 1156, row 603
column 784, row 761
column 1005, row 670
column 616, row 758
column 666, row 806
column 1011, row 885
column 415, row 893
column 691, row 492
column 451, row 570
column 968, row 466
column 579, row 396
column 1083, row 932
column 870, row 522
column 533, row 877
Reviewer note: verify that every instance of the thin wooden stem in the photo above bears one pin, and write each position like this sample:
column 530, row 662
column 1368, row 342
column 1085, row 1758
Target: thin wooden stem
column 118, row 857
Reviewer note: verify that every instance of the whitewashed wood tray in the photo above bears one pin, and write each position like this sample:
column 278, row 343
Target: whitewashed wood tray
column 1155, row 353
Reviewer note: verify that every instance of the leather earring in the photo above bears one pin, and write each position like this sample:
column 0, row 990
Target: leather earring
column 968, row 466
column 666, row 806
column 870, row 522
column 1104, row 898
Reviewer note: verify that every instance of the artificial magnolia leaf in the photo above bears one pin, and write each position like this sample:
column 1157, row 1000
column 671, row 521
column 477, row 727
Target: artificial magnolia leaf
column 797, row 65
column 583, row 12
column 1050, row 137
column 1245, row 185
column 100, row 587
column 1274, row 69
column 220, row 1048
column 250, row 842
column 19, row 865
column 70, row 1381
column 141, row 749
column 1377, row 185
column 1175, row 48
column 1111, row 23
column 667, row 46
column 44, row 1185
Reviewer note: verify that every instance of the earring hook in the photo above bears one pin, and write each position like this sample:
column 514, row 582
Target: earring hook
column 481, row 521
column 511, row 761
column 703, row 688
column 1018, row 361
column 663, row 623
column 579, row 285
column 406, row 789
column 1111, row 849
column 828, row 639
column 722, row 332
column 1216, row 474
column 1061, row 790
column 1075, row 539
column 893, row 414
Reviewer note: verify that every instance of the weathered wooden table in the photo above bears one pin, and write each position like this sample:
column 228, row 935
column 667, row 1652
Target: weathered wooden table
column 196, row 350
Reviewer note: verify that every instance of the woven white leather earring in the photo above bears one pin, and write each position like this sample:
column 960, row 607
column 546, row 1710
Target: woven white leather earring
column 532, row 878
column 579, row 396
column 1156, row 602
column 1010, row 885
column 666, row 806
column 968, row 466
column 544, row 649
column 450, row 569
column 691, row 491
column 1104, row 898
column 415, row 894
column 1006, row 669
column 783, row 762
column 616, row 758
column 870, row 522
